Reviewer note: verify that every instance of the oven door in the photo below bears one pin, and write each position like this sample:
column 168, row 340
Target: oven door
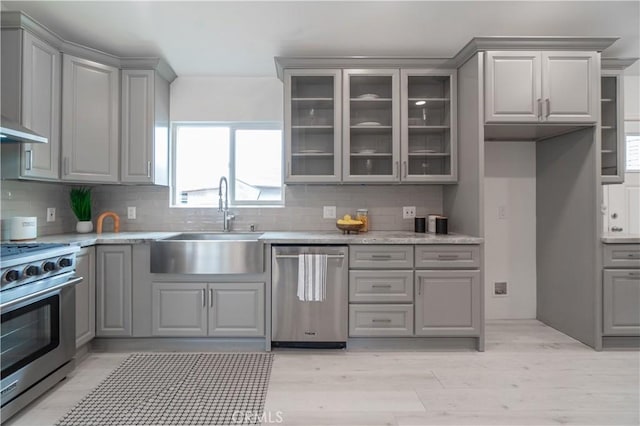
column 37, row 335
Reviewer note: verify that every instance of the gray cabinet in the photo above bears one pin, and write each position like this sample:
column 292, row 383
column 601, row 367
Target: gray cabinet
column 145, row 127
column 380, row 320
column 447, row 303
column 179, row 309
column 534, row 87
column 380, row 286
column 448, row 256
column 312, row 131
column 31, row 86
column 113, row 290
column 612, row 126
column 182, row 309
column 86, row 296
column 621, row 302
column 381, row 256
column 428, row 139
column 371, row 125
column 90, row 120
column 236, row 309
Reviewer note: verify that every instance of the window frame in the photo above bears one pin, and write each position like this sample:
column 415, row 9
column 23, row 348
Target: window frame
column 233, row 127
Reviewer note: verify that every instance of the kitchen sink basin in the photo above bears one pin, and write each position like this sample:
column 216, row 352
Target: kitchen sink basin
column 208, row 253
column 214, row 236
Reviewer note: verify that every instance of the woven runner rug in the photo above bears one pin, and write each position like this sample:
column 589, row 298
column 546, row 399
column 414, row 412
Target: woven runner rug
column 178, row 389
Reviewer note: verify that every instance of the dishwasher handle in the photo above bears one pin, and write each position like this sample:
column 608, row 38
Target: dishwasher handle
column 295, row 256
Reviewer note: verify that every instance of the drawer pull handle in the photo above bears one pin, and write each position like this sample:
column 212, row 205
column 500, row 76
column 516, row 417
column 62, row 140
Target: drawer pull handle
column 633, row 255
column 381, row 286
column 381, row 256
column 387, row 320
column 634, row 274
column 448, row 256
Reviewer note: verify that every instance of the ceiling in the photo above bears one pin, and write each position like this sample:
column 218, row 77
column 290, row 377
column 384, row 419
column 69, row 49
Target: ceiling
column 240, row 38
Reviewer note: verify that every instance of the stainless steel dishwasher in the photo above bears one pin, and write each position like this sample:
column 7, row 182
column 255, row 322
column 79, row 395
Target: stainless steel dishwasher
column 297, row 323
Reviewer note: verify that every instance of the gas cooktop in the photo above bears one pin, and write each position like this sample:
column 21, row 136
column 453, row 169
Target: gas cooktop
column 14, row 250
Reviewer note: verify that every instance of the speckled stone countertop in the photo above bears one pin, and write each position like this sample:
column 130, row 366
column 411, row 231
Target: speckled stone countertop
column 621, row 238
column 372, row 237
column 299, row 237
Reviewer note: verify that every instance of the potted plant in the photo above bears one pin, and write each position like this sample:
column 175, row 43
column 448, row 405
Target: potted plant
column 81, row 206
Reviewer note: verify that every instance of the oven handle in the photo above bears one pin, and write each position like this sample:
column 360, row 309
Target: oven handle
column 73, row 281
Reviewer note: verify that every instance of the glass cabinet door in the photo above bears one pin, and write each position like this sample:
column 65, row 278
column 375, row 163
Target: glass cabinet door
column 428, row 126
column 312, row 125
column 611, row 127
column 371, row 125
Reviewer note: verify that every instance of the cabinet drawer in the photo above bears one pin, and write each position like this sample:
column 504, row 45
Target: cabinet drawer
column 380, row 256
column 622, row 255
column 620, row 307
column 381, row 286
column 454, row 256
column 380, row 320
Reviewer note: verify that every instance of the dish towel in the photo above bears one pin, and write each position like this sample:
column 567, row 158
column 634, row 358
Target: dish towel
column 312, row 277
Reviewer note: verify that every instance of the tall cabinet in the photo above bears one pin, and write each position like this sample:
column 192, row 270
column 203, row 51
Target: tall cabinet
column 90, row 125
column 31, row 88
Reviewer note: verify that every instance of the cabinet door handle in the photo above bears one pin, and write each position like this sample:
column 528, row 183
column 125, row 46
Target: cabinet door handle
column 204, row 298
column 211, row 297
column 387, row 320
column 381, row 286
column 380, row 256
column 539, row 109
column 29, row 159
column 448, row 256
column 149, row 169
column 404, row 167
column 419, row 288
column 288, row 168
column 66, row 165
column 395, row 173
column 548, row 107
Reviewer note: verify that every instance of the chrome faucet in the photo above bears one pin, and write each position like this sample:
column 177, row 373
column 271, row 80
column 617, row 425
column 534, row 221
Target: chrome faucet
column 226, row 217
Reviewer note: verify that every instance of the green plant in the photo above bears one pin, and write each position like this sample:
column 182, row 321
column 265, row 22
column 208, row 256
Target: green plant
column 81, row 203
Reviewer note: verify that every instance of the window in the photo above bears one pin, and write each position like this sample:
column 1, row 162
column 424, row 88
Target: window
column 249, row 155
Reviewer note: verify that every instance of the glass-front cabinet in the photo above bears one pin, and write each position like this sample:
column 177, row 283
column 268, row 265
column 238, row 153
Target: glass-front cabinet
column 371, row 125
column 612, row 127
column 428, row 148
column 312, row 125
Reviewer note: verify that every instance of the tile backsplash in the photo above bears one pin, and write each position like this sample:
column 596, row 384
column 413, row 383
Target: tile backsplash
column 25, row 198
column 302, row 210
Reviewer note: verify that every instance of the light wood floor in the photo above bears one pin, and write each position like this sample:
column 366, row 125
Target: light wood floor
column 530, row 374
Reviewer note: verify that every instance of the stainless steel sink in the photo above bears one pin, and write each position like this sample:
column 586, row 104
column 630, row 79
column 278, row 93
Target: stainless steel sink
column 208, row 253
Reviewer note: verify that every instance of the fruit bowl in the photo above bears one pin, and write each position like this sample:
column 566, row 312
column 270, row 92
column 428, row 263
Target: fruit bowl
column 347, row 229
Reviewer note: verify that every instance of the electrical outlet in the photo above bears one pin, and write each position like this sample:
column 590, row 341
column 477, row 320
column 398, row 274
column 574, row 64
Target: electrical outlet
column 500, row 288
column 409, row 212
column 502, row 212
column 51, row 214
column 329, row 212
column 131, row 212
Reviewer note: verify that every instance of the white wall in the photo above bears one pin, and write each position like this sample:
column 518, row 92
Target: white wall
column 632, row 97
column 510, row 243
column 226, row 99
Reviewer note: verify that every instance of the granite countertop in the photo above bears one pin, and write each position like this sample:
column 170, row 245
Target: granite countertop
column 293, row 237
column 618, row 238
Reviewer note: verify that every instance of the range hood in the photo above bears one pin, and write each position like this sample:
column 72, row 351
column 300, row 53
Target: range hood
column 10, row 131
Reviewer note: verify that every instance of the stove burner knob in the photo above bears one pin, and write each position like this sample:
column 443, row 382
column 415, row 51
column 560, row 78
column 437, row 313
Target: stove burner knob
column 31, row 270
column 11, row 275
column 65, row 262
column 48, row 266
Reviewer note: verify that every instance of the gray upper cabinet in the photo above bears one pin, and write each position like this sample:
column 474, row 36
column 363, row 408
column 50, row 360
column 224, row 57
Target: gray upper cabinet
column 113, row 290
column 31, row 85
column 428, row 145
column 90, row 125
column 312, row 117
column 612, row 126
column 542, row 87
column 145, row 127
column 371, row 125
column 86, row 296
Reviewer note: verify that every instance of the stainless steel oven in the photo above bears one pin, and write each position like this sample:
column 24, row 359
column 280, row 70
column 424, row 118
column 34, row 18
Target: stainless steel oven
column 37, row 333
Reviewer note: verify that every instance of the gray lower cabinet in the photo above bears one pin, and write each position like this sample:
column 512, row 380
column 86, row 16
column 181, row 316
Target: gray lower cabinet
column 86, row 296
column 447, row 303
column 621, row 302
column 181, row 309
column 113, row 290
column 380, row 320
